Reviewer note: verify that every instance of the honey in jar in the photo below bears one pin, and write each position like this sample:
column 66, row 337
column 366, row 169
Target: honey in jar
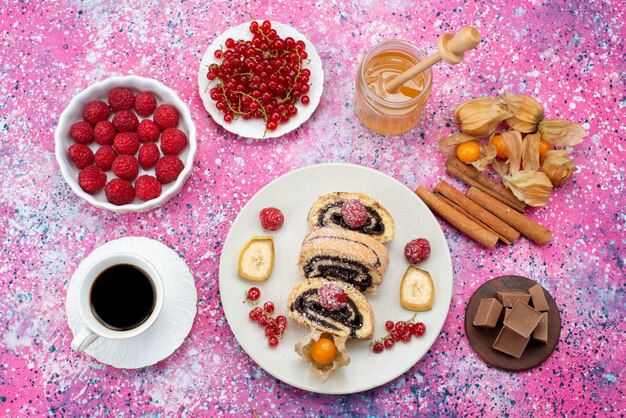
column 384, row 111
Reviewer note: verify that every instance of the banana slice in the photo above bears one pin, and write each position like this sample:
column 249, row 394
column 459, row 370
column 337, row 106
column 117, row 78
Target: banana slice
column 417, row 291
column 256, row 259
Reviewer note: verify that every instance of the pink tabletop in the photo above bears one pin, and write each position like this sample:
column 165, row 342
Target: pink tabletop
column 569, row 56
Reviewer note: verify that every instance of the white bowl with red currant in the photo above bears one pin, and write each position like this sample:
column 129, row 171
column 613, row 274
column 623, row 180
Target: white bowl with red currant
column 261, row 79
column 126, row 144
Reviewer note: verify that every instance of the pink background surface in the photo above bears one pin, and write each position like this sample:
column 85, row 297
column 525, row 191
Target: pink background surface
column 568, row 55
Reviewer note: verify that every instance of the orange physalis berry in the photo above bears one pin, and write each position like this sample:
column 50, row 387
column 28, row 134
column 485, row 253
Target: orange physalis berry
column 468, row 152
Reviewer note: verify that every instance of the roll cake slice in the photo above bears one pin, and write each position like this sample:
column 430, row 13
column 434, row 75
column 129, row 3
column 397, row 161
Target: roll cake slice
column 326, row 212
column 354, row 320
column 344, row 255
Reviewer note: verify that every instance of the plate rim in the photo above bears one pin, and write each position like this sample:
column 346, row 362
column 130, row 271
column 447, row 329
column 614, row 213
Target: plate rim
column 327, row 166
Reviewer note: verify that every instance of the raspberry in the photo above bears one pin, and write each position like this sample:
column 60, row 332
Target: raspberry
column 147, row 187
column 148, row 131
column 126, row 143
column 354, row 214
column 417, row 250
column 271, row 219
column 125, row 121
column 145, row 104
column 104, row 132
column 173, row 141
column 165, row 116
column 104, row 157
column 95, row 112
column 81, row 155
column 332, row 297
column 125, row 167
column 119, row 192
column 91, row 179
column 81, row 132
column 168, row 168
column 121, row 98
column 148, row 155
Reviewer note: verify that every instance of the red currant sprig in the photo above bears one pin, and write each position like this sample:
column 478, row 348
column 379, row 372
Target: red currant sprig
column 398, row 331
column 274, row 328
column 262, row 78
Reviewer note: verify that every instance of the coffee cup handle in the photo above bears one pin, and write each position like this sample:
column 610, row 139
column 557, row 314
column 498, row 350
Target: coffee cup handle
column 83, row 339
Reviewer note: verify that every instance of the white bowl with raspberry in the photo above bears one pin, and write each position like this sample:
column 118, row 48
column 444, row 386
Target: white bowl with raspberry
column 92, row 142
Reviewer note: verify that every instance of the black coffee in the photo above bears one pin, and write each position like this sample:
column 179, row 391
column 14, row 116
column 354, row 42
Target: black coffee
column 122, row 297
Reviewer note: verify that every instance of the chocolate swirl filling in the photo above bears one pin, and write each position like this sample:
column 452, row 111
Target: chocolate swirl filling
column 339, row 268
column 347, row 318
column 331, row 214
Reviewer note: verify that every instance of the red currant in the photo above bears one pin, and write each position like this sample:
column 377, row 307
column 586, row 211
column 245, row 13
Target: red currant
column 378, row 347
column 420, row 329
column 263, row 320
column 273, row 341
column 305, row 100
column 389, row 325
column 254, row 293
column 268, row 307
column 281, row 319
column 271, row 330
column 389, row 342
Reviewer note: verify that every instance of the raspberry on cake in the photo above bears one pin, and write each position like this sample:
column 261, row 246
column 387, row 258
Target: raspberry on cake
column 81, row 155
column 96, row 111
column 126, row 143
column 173, row 141
column 121, row 98
column 168, row 168
column 81, row 132
column 125, row 167
column 104, row 132
column 91, row 179
column 148, row 155
column 165, row 116
column 145, row 104
column 104, row 157
column 119, row 192
column 148, row 131
column 125, row 121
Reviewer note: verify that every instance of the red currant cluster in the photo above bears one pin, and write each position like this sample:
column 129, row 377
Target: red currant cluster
column 400, row 331
column 274, row 327
column 262, row 78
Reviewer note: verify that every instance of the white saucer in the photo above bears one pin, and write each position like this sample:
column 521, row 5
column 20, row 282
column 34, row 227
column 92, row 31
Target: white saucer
column 174, row 322
column 255, row 128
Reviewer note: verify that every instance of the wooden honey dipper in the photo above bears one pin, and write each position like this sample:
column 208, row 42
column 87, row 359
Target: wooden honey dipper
column 451, row 50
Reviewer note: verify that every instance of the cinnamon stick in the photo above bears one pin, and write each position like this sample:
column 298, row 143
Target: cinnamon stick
column 471, row 217
column 529, row 228
column 456, row 219
column 471, row 176
column 500, row 227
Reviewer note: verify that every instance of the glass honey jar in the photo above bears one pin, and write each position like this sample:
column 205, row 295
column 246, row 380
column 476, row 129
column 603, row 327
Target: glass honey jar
column 387, row 112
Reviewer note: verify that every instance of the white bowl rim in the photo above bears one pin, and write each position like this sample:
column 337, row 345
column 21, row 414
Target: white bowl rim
column 84, row 96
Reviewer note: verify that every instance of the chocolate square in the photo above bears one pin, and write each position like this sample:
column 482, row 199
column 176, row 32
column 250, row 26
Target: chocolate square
column 488, row 313
column 508, row 299
column 523, row 319
column 541, row 332
column 539, row 298
column 510, row 342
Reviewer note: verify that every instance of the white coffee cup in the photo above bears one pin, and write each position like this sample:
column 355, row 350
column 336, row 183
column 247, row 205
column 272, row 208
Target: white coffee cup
column 93, row 328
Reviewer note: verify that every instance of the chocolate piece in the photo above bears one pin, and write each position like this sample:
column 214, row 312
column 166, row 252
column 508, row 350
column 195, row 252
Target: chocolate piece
column 508, row 299
column 523, row 319
column 541, row 332
column 488, row 313
column 510, row 342
column 507, row 311
column 539, row 298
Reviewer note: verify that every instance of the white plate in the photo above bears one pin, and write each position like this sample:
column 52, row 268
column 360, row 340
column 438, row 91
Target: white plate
column 255, row 128
column 294, row 193
column 174, row 322
column 99, row 91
